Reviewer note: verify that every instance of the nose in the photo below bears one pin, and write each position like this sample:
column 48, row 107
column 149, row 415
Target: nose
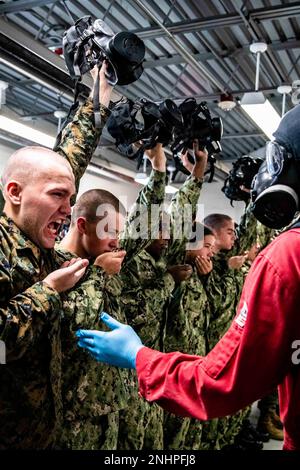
column 114, row 243
column 66, row 207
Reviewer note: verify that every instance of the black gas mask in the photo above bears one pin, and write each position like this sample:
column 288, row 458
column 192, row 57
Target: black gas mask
column 275, row 191
column 89, row 42
column 242, row 173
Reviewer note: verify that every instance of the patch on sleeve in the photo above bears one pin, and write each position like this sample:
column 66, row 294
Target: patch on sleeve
column 242, row 317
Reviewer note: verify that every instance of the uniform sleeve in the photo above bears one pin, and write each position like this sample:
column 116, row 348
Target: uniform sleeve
column 252, row 358
column 183, row 208
column 137, row 232
column 86, row 299
column 24, row 316
column 264, row 235
column 80, row 138
column 246, row 233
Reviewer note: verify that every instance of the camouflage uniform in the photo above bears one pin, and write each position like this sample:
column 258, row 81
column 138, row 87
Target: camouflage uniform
column 94, row 393
column 186, row 198
column 224, row 287
column 147, row 287
column 30, row 312
column 146, row 299
column 187, row 323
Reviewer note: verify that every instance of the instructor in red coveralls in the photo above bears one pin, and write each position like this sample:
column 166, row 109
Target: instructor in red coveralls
column 262, row 347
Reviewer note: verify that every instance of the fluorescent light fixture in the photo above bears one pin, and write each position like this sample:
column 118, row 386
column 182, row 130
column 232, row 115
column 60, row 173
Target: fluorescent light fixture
column 26, row 132
column 262, row 113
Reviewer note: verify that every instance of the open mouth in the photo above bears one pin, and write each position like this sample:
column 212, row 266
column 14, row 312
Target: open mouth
column 54, row 227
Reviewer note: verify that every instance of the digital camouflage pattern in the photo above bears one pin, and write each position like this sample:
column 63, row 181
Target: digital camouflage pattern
column 30, row 394
column 186, row 331
column 223, row 288
column 145, row 285
column 183, row 204
column 80, row 139
column 145, row 299
column 30, row 313
column 249, row 232
column 94, row 393
column 147, row 289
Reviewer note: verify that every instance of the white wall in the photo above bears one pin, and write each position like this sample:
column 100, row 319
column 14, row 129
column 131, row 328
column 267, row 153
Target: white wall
column 211, row 196
column 124, row 191
column 5, row 152
column 215, row 201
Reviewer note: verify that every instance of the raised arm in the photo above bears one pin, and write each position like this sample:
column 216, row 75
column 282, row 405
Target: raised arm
column 80, row 137
column 184, row 203
column 149, row 199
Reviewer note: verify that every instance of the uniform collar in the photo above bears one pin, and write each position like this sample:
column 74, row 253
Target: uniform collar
column 20, row 240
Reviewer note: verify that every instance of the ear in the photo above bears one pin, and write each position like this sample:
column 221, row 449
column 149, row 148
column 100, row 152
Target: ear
column 14, row 192
column 81, row 225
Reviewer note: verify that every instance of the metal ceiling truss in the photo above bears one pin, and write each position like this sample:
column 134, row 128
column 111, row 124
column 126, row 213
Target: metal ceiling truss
column 223, row 21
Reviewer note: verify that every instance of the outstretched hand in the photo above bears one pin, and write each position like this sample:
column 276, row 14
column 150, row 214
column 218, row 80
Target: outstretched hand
column 118, row 347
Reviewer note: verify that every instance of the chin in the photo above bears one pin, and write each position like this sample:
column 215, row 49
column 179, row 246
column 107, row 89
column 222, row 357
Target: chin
column 48, row 244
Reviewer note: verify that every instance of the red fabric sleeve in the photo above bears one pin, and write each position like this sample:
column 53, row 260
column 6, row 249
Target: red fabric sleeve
column 252, row 358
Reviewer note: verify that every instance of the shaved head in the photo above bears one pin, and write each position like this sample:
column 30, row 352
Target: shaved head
column 38, row 186
column 29, row 163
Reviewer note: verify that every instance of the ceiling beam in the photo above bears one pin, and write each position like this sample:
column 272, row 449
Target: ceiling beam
column 177, row 59
column 222, row 21
column 21, row 5
column 242, row 136
column 198, row 67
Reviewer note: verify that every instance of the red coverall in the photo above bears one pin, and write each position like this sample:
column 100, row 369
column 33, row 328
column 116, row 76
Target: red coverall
column 260, row 350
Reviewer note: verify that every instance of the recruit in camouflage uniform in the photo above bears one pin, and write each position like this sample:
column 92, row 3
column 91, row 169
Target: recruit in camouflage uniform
column 187, row 323
column 30, row 313
column 186, row 319
column 146, row 298
column 146, row 289
column 224, row 287
column 94, row 393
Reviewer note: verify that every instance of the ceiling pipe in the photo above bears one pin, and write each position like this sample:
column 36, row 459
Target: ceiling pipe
column 197, row 67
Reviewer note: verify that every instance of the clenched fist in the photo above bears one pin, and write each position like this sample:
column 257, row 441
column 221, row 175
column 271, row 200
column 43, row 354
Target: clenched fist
column 111, row 261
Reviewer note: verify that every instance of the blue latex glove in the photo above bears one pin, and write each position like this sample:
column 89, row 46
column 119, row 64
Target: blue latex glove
column 118, row 347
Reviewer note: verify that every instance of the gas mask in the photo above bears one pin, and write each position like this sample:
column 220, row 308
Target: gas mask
column 88, row 43
column 275, row 190
column 242, row 173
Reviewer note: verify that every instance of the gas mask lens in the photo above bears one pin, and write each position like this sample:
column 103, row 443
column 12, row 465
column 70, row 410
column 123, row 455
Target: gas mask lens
column 274, row 158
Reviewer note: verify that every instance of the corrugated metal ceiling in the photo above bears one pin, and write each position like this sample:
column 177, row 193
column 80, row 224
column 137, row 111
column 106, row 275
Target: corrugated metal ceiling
column 216, row 33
